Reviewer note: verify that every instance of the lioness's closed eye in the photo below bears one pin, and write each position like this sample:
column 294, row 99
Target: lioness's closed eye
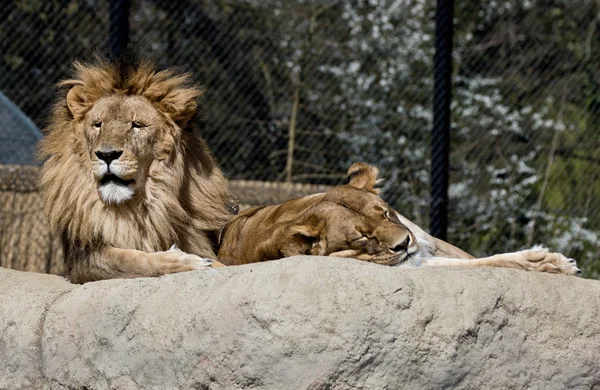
column 353, row 221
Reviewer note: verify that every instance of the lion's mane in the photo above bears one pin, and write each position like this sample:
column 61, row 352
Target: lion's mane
column 186, row 196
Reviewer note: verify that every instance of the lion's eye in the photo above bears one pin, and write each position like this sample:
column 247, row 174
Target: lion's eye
column 97, row 124
column 137, row 125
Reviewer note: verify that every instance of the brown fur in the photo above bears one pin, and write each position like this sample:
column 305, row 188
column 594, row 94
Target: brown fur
column 353, row 221
column 180, row 195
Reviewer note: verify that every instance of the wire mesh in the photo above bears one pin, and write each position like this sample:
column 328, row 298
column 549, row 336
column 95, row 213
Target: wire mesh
column 297, row 91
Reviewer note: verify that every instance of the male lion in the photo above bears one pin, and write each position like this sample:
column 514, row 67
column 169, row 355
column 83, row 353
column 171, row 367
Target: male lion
column 353, row 221
column 126, row 177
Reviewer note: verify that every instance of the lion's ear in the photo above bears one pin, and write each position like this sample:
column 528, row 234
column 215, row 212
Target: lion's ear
column 364, row 177
column 77, row 101
column 181, row 104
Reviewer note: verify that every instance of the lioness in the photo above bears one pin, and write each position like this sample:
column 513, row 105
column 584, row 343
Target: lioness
column 353, row 221
column 126, row 176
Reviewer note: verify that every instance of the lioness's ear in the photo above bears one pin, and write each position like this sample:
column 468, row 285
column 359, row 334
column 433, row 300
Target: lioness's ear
column 309, row 231
column 364, row 177
column 77, row 101
column 311, row 237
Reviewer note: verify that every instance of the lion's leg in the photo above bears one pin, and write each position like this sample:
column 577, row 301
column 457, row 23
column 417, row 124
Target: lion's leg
column 531, row 260
column 110, row 263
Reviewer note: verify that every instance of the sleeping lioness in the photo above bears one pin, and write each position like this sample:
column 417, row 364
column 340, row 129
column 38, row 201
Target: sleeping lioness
column 353, row 221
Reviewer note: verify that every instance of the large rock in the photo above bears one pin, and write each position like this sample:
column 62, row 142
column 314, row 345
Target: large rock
column 302, row 323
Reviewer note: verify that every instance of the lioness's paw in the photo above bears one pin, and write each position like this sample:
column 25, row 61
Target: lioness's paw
column 539, row 259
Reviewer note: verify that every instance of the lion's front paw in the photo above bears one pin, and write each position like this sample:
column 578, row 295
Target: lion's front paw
column 539, row 259
column 188, row 260
column 196, row 262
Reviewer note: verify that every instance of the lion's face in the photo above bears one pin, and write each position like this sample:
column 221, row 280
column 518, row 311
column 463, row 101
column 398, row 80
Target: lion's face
column 122, row 134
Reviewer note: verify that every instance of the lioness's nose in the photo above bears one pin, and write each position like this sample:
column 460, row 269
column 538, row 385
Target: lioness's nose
column 402, row 246
column 109, row 156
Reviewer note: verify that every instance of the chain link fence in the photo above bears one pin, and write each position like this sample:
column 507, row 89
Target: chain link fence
column 298, row 90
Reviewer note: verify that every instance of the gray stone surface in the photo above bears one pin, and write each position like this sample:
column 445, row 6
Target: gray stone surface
column 25, row 298
column 302, row 323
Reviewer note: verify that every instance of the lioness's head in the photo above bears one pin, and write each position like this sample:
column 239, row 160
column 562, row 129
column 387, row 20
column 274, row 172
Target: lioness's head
column 129, row 119
column 353, row 221
column 348, row 221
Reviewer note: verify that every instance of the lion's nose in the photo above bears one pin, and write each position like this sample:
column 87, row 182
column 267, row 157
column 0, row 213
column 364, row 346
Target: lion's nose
column 402, row 246
column 109, row 156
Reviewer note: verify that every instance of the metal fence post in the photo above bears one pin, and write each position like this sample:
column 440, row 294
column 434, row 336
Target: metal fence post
column 440, row 138
column 118, row 30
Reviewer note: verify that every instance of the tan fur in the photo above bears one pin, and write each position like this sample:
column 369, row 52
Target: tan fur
column 179, row 194
column 353, row 221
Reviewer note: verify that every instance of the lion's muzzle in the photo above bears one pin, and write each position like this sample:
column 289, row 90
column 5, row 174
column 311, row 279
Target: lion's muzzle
column 115, row 177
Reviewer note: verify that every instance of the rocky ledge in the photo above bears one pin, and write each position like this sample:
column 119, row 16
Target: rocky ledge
column 302, row 323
